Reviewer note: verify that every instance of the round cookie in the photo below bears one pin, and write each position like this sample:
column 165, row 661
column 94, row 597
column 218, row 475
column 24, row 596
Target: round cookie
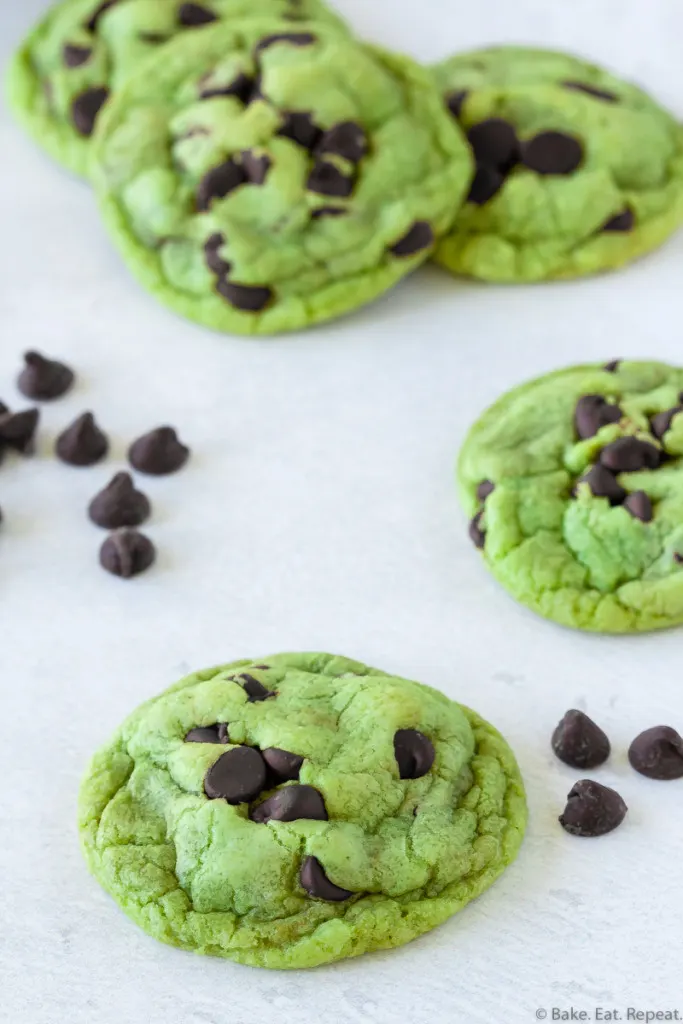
column 301, row 810
column 575, row 485
column 260, row 181
column 577, row 171
column 82, row 50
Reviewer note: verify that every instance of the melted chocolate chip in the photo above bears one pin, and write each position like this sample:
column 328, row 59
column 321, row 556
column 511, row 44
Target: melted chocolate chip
column 238, row 776
column 592, row 810
column 218, row 182
column 291, row 804
column 119, row 504
column 593, row 412
column 242, row 88
column 18, row 430
column 127, row 553
column 83, row 443
column 592, row 90
column 419, row 238
column 552, row 153
column 86, row 107
column 346, row 139
column 245, row 297
column 661, row 423
column 255, row 690
column 255, row 167
column 613, row 366
column 214, row 261
column 486, row 183
column 194, row 15
column 604, row 484
column 300, row 128
column 282, row 764
column 317, row 884
column 455, row 101
column 624, row 221
column 208, row 734
column 159, row 452
column 639, row 506
column 629, row 455
column 494, row 143
column 658, row 753
column 579, row 742
column 44, row 379
column 91, row 24
column 327, row 180
column 414, row 753
column 485, row 488
column 477, row 535
column 74, row 56
column 293, row 38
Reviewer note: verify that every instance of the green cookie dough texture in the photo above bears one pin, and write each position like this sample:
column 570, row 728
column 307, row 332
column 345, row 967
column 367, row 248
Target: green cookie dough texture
column 83, row 50
column 321, row 191
column 611, row 563
column 201, row 874
column 618, row 195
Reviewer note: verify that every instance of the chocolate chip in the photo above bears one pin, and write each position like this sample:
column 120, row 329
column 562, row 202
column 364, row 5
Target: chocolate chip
column 91, row 24
column 591, row 90
column 238, row 776
column 44, row 379
column 242, row 88
column 127, row 553
column 604, row 484
column 317, row 884
column 218, row 182
column 153, row 38
column 486, row 183
column 159, row 452
column 83, row 443
column 86, row 107
column 494, row 143
column 283, row 765
column 207, row 734
column 579, row 742
column 294, row 38
column 485, row 488
column 552, row 153
column 629, row 455
column 328, row 211
column 346, row 139
column 658, row 753
column 300, row 128
column 291, row 804
column 214, row 261
column 592, row 810
column 593, row 412
column 328, row 180
column 419, row 238
column 613, row 366
column 661, row 423
column 624, row 221
column 74, row 56
column 678, row 558
column 255, row 167
column 193, row 15
column 455, row 101
column 640, row 506
column 119, row 504
column 477, row 535
column 414, row 753
column 254, row 690
column 18, row 430
column 246, row 297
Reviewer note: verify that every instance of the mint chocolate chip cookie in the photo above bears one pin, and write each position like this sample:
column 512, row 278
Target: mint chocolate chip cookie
column 300, row 810
column 82, row 50
column 577, row 171
column 574, row 483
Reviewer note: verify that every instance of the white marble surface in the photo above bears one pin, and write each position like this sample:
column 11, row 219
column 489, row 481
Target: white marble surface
column 319, row 513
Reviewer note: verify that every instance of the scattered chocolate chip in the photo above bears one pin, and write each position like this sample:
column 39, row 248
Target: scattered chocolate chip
column 592, row 810
column 661, row 423
column 44, row 379
column 579, row 742
column 552, row 153
column 300, row 128
column 346, row 139
column 494, row 143
column 219, row 182
column 255, row 167
column 293, row 38
column 486, row 183
column 127, row 553
column 592, row 90
column 119, row 504
column 317, row 884
column 613, row 366
column 193, row 15
column 159, row 452
column 86, row 107
column 485, row 488
column 455, row 101
column 255, row 690
column 291, row 804
column 604, row 484
column 205, row 734
column 18, row 430
column 640, row 506
column 74, row 56
column 328, row 211
column 214, row 261
column 477, row 535
column 246, row 297
column 658, row 753
column 242, row 88
column 629, row 455
column 593, row 412
column 419, row 238
column 327, row 180
column 414, row 753
column 238, row 776
column 624, row 221
column 283, row 765
column 678, row 557
column 83, row 443
column 91, row 24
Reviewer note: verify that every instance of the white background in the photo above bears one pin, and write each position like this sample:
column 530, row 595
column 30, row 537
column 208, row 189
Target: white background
column 318, row 513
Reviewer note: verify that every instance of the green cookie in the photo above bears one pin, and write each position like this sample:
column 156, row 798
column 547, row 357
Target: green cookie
column 300, row 811
column 577, row 171
column 575, row 482
column 83, row 50
column 258, row 181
